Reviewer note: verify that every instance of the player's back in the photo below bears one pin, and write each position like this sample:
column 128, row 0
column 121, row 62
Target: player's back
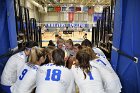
column 12, row 68
column 110, row 79
column 91, row 84
column 26, row 79
column 98, row 51
column 54, row 79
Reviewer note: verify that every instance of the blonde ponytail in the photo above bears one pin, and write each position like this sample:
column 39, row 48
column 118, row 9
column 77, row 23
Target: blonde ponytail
column 36, row 54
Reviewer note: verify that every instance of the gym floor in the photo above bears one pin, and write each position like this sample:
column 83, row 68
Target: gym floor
column 76, row 37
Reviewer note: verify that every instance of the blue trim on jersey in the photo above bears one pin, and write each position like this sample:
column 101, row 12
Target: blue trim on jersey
column 6, row 88
column 99, row 60
column 100, row 55
column 32, row 66
column 49, row 64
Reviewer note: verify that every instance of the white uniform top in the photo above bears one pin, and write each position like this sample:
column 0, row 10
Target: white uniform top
column 26, row 80
column 54, row 79
column 98, row 51
column 92, row 83
column 103, row 61
column 12, row 68
column 110, row 79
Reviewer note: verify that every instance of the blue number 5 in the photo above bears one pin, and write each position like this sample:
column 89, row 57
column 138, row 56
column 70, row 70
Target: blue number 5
column 23, row 74
column 55, row 75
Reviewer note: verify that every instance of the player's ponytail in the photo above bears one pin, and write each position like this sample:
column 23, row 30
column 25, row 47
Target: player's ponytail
column 83, row 60
column 36, row 54
column 58, row 57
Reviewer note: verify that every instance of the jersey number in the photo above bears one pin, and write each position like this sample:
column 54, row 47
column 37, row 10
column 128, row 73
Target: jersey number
column 90, row 76
column 23, row 74
column 55, row 74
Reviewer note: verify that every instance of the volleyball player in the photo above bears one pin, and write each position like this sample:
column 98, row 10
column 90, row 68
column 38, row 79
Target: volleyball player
column 87, row 77
column 49, row 51
column 26, row 80
column 70, row 52
column 13, row 66
column 110, row 79
column 55, row 77
column 99, row 52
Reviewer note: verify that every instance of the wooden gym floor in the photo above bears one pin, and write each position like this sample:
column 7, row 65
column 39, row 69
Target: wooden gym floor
column 76, row 37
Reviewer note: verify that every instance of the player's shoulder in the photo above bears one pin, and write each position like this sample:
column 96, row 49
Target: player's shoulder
column 19, row 55
column 32, row 66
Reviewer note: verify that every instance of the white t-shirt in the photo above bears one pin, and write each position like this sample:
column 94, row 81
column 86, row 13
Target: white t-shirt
column 26, row 80
column 91, row 84
column 110, row 79
column 12, row 68
column 54, row 79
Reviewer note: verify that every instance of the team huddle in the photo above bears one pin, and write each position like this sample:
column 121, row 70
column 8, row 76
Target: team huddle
column 61, row 69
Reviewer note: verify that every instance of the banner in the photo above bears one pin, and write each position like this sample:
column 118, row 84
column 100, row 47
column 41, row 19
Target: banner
column 90, row 10
column 62, row 25
column 78, row 9
column 63, row 9
column 57, row 8
column 71, row 9
column 65, row 16
column 71, row 16
column 50, row 8
column 85, row 9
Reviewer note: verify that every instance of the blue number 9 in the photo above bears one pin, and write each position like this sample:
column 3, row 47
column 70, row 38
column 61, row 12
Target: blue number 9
column 23, row 74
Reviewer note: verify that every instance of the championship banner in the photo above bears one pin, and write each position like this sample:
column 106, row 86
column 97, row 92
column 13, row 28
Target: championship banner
column 50, row 9
column 57, row 8
column 71, row 9
column 63, row 9
column 85, row 9
column 65, row 16
column 78, row 9
column 90, row 10
column 71, row 16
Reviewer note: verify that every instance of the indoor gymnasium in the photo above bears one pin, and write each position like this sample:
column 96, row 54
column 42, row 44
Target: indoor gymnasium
column 69, row 46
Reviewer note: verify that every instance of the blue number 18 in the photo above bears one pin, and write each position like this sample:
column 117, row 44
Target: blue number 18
column 55, row 75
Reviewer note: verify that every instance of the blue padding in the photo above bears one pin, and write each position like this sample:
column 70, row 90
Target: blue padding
column 11, row 23
column 8, row 37
column 126, row 38
column 117, row 32
column 4, row 34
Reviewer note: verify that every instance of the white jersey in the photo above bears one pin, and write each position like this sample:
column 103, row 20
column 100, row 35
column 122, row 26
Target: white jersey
column 103, row 61
column 12, row 68
column 110, row 79
column 26, row 80
column 98, row 51
column 54, row 79
column 91, row 84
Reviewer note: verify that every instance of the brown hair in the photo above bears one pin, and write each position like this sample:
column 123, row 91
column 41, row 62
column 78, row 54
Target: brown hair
column 36, row 54
column 90, row 51
column 86, row 42
column 49, row 51
column 58, row 57
column 83, row 60
column 78, row 45
column 69, row 41
column 60, row 41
